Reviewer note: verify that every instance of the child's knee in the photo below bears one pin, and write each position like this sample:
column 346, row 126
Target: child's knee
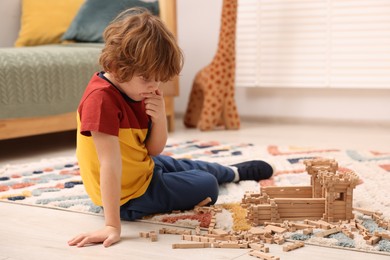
column 210, row 188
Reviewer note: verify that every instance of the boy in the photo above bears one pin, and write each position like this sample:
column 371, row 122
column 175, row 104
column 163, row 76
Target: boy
column 122, row 129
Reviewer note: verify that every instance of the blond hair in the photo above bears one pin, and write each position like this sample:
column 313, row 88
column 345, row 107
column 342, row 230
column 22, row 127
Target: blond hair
column 138, row 43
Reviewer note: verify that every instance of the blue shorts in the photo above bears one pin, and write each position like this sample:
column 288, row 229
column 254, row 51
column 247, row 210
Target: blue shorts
column 177, row 185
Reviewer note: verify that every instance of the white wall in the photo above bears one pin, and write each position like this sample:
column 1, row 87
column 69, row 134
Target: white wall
column 10, row 12
column 198, row 28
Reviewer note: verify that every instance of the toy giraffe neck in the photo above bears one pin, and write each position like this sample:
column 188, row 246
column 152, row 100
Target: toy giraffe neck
column 212, row 102
column 227, row 34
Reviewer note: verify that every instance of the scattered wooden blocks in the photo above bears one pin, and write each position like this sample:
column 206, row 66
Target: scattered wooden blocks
column 152, row 235
column 326, row 204
column 144, row 234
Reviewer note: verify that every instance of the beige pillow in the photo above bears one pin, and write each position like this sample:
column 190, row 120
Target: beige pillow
column 45, row 21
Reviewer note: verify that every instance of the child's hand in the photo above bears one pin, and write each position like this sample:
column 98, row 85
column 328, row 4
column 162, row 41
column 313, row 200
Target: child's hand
column 108, row 235
column 155, row 106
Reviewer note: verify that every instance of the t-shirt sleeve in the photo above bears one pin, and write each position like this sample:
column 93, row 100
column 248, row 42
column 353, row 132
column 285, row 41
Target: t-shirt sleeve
column 101, row 113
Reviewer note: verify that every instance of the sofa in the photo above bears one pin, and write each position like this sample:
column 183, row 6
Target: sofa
column 42, row 82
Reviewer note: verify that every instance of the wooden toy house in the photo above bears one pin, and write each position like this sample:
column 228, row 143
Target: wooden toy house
column 329, row 197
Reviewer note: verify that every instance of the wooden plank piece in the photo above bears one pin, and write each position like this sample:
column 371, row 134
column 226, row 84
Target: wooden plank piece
column 262, row 255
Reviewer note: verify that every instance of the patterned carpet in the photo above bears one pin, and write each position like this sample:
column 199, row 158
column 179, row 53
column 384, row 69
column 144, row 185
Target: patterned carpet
column 56, row 182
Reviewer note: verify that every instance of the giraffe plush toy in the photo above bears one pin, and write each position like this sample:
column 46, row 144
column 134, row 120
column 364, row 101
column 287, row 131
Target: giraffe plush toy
column 211, row 103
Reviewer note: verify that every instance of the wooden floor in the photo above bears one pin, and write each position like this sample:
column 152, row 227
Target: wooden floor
column 28, row 232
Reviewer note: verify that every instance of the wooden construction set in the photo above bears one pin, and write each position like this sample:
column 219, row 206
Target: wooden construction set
column 326, row 204
column 329, row 197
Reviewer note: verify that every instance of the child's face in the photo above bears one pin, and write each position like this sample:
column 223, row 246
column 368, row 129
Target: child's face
column 138, row 86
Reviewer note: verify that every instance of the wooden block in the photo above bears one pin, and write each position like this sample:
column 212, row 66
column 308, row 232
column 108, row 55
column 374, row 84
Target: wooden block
column 144, row 234
column 275, row 229
column 191, row 245
column 218, row 237
column 302, row 226
column 327, row 232
column 213, row 222
column 230, row 244
column 314, row 223
column 367, row 212
column 347, row 233
column 217, row 209
column 219, row 232
column 377, row 216
column 360, row 227
column 196, row 238
column 186, row 237
column 204, row 202
column 292, row 229
column 325, row 225
column 197, row 231
column 234, row 238
column 204, row 239
column 373, row 240
column 307, row 231
column 153, row 236
column 288, row 192
column 366, row 235
column 174, row 231
column 262, row 255
column 259, row 247
column 382, row 235
column 293, row 246
column 279, row 240
column 299, row 219
column 302, row 207
column 309, row 201
column 275, row 224
column 302, row 213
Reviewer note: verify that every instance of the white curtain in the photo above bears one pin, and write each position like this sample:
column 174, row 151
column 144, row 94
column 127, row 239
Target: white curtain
column 313, row 43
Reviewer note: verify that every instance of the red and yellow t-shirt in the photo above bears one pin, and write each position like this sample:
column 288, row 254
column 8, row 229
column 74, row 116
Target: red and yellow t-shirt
column 103, row 108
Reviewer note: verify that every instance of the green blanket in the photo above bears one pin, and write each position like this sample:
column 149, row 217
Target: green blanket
column 45, row 80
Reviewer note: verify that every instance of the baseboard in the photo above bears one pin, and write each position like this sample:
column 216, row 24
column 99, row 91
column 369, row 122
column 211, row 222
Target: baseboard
column 308, row 121
column 316, row 121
